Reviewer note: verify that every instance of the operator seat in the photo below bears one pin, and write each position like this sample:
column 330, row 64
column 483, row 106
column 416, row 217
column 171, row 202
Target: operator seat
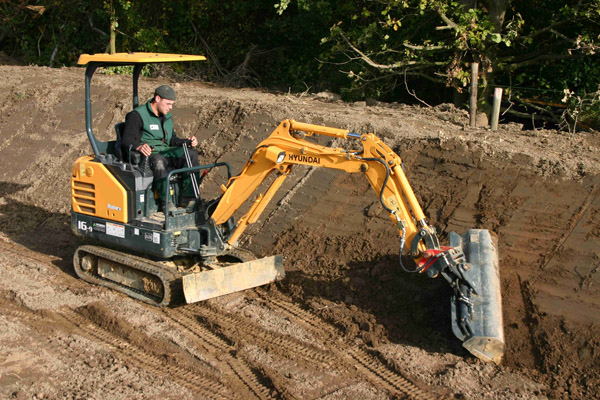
column 119, row 131
column 132, row 157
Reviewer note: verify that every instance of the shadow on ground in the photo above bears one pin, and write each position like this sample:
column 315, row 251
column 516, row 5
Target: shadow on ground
column 376, row 301
column 37, row 229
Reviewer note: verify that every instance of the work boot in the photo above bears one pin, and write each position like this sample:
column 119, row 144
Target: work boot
column 189, row 203
column 172, row 206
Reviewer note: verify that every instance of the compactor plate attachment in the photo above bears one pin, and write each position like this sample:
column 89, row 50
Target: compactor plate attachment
column 233, row 278
column 476, row 305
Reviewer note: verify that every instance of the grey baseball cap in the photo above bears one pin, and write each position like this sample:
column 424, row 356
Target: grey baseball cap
column 166, row 92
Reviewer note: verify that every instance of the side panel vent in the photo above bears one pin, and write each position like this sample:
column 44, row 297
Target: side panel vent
column 84, row 197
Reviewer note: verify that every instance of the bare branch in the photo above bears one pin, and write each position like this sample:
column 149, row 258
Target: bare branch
column 413, row 94
column 368, row 60
column 426, row 76
column 424, row 48
column 527, row 115
column 209, row 54
column 544, row 30
column 408, row 72
column 243, row 73
column 93, row 27
column 543, row 111
column 374, row 64
column 560, row 35
column 449, row 23
column 543, row 58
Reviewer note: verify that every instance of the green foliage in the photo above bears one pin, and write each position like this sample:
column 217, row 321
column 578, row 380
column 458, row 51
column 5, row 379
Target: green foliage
column 582, row 110
column 125, row 70
column 384, row 49
column 386, row 45
column 51, row 32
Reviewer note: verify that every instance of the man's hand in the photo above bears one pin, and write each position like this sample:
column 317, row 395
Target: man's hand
column 144, row 149
column 194, row 141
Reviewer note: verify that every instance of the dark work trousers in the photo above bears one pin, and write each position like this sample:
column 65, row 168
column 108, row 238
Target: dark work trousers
column 162, row 161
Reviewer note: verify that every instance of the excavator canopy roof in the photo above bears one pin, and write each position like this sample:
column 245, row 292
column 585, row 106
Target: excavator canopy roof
column 137, row 58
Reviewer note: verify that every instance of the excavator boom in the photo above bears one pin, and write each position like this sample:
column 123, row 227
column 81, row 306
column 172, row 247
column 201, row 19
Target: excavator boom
column 286, row 147
column 469, row 264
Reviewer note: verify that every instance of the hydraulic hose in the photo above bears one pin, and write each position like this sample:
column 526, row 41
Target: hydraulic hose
column 387, row 177
column 403, row 238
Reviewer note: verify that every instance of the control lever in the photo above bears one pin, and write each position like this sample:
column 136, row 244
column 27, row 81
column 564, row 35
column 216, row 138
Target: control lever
column 146, row 162
column 188, row 160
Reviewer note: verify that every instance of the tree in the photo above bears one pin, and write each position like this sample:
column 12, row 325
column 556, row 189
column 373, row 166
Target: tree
column 52, row 32
column 394, row 50
column 390, row 44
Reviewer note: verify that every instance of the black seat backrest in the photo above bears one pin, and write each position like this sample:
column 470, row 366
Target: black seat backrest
column 123, row 154
column 118, row 150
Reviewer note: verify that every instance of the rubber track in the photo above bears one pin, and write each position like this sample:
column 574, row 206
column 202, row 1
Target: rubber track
column 243, row 375
column 373, row 370
column 205, row 386
column 170, row 279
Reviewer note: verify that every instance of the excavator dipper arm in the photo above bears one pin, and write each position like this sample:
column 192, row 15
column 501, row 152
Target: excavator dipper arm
column 470, row 264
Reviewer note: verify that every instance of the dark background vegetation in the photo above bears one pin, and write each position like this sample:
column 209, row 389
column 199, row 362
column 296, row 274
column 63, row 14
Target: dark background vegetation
column 542, row 52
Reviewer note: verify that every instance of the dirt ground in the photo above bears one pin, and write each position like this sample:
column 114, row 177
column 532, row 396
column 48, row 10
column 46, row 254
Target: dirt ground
column 346, row 323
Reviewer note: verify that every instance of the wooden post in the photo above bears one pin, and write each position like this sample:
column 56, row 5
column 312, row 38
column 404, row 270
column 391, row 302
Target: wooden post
column 496, row 108
column 113, row 28
column 474, row 82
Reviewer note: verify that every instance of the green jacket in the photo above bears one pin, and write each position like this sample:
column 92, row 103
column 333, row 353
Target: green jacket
column 157, row 131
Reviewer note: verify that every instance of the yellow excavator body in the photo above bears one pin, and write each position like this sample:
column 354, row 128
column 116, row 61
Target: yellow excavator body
column 95, row 191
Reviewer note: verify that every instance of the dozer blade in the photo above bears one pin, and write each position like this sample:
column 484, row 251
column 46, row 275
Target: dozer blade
column 477, row 317
column 234, row 278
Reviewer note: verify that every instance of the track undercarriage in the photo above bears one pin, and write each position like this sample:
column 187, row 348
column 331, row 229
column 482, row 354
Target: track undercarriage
column 161, row 283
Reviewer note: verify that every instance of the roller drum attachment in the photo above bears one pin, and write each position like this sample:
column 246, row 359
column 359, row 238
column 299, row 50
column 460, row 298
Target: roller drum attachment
column 476, row 305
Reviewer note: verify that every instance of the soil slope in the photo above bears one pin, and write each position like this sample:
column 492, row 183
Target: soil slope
column 346, row 322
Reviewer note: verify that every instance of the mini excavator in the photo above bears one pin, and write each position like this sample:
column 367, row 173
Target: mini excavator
column 145, row 252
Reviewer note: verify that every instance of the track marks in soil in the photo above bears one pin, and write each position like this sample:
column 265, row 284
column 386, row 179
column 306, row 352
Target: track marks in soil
column 239, row 374
column 237, row 340
column 574, row 221
column 545, row 233
column 243, row 330
column 222, row 337
column 145, row 359
column 353, row 356
column 539, row 221
column 530, row 311
column 225, row 127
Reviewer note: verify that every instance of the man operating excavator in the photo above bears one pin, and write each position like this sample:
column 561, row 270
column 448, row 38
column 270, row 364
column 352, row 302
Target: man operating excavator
column 149, row 130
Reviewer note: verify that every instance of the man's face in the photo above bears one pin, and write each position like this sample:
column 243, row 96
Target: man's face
column 164, row 106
